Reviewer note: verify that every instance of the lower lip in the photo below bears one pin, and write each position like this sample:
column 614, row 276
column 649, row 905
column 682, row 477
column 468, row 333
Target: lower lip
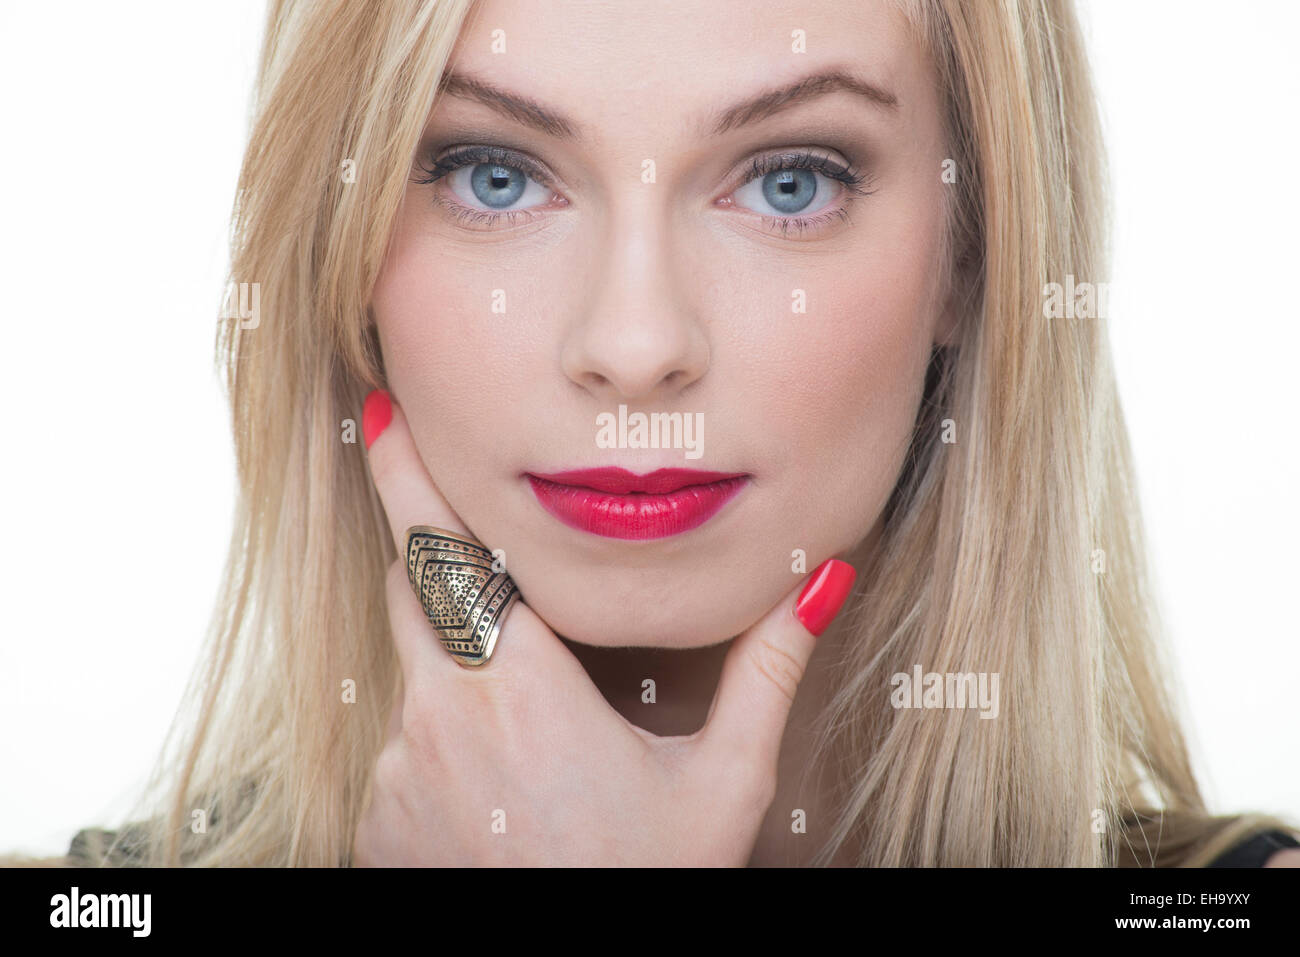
column 637, row 515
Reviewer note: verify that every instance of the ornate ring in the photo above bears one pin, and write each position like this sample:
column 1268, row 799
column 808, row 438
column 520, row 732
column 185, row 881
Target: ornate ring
column 464, row 591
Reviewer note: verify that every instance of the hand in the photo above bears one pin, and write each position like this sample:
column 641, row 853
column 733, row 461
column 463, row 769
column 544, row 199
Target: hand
column 527, row 742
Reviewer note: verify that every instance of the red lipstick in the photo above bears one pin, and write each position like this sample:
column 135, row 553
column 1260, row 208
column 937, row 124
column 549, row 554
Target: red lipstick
column 616, row 503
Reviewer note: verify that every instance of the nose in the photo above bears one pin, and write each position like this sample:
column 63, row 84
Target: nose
column 637, row 336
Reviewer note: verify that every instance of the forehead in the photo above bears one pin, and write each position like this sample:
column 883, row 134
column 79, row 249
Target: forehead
column 618, row 67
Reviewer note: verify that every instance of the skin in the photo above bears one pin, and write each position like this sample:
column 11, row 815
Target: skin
column 666, row 296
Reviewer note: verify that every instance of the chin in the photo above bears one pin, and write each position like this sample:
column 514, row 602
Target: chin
column 628, row 609
column 643, row 638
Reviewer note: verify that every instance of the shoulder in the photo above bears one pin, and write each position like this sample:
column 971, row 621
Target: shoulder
column 130, row 844
column 1265, row 849
column 97, row 847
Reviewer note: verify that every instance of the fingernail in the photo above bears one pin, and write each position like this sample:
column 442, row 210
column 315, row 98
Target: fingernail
column 821, row 598
column 376, row 415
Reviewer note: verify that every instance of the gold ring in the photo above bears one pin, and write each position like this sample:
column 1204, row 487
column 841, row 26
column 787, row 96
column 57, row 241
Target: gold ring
column 464, row 591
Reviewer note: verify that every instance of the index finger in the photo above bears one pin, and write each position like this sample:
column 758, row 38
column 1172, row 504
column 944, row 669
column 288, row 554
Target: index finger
column 410, row 498
column 404, row 485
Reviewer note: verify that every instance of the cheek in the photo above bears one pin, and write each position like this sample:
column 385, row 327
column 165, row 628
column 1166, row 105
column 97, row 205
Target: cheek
column 444, row 320
column 838, row 387
column 457, row 355
column 434, row 326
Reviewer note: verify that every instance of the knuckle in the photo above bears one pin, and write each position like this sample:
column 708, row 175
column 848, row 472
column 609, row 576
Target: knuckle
column 419, row 742
column 420, row 716
column 778, row 666
column 498, row 698
column 746, row 779
column 753, row 786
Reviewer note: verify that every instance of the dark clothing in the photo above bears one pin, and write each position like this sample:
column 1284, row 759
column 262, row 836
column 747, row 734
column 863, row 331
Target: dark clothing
column 1255, row 851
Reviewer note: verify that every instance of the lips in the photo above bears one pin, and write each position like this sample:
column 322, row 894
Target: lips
column 616, row 503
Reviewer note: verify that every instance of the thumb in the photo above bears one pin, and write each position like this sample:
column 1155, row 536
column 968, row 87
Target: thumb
column 763, row 669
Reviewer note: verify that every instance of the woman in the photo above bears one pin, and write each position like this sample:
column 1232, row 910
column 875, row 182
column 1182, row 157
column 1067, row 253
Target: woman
column 827, row 244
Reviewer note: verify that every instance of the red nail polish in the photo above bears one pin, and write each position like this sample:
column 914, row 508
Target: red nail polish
column 821, row 598
column 376, row 415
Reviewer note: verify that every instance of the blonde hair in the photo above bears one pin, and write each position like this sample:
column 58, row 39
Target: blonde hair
column 984, row 563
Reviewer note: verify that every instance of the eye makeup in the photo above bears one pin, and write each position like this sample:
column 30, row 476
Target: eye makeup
column 502, row 169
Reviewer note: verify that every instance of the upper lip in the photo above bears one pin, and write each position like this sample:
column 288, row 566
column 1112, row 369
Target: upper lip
column 618, row 481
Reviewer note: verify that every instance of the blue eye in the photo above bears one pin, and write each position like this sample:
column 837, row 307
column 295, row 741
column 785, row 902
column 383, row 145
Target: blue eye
column 790, row 190
column 796, row 183
column 489, row 179
column 495, row 186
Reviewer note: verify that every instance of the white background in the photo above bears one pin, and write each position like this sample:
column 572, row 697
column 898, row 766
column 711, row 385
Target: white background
column 124, row 126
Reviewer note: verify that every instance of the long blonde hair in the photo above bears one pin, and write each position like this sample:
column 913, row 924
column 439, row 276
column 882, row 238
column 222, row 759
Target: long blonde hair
column 988, row 560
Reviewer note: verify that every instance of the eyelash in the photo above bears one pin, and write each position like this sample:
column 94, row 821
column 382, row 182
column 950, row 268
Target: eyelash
column 856, row 182
column 436, row 169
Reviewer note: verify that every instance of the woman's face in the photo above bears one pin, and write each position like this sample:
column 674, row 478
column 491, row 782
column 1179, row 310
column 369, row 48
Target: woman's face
column 616, row 251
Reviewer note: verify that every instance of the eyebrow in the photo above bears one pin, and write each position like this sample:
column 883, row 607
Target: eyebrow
column 519, row 108
column 771, row 102
column 531, row 113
